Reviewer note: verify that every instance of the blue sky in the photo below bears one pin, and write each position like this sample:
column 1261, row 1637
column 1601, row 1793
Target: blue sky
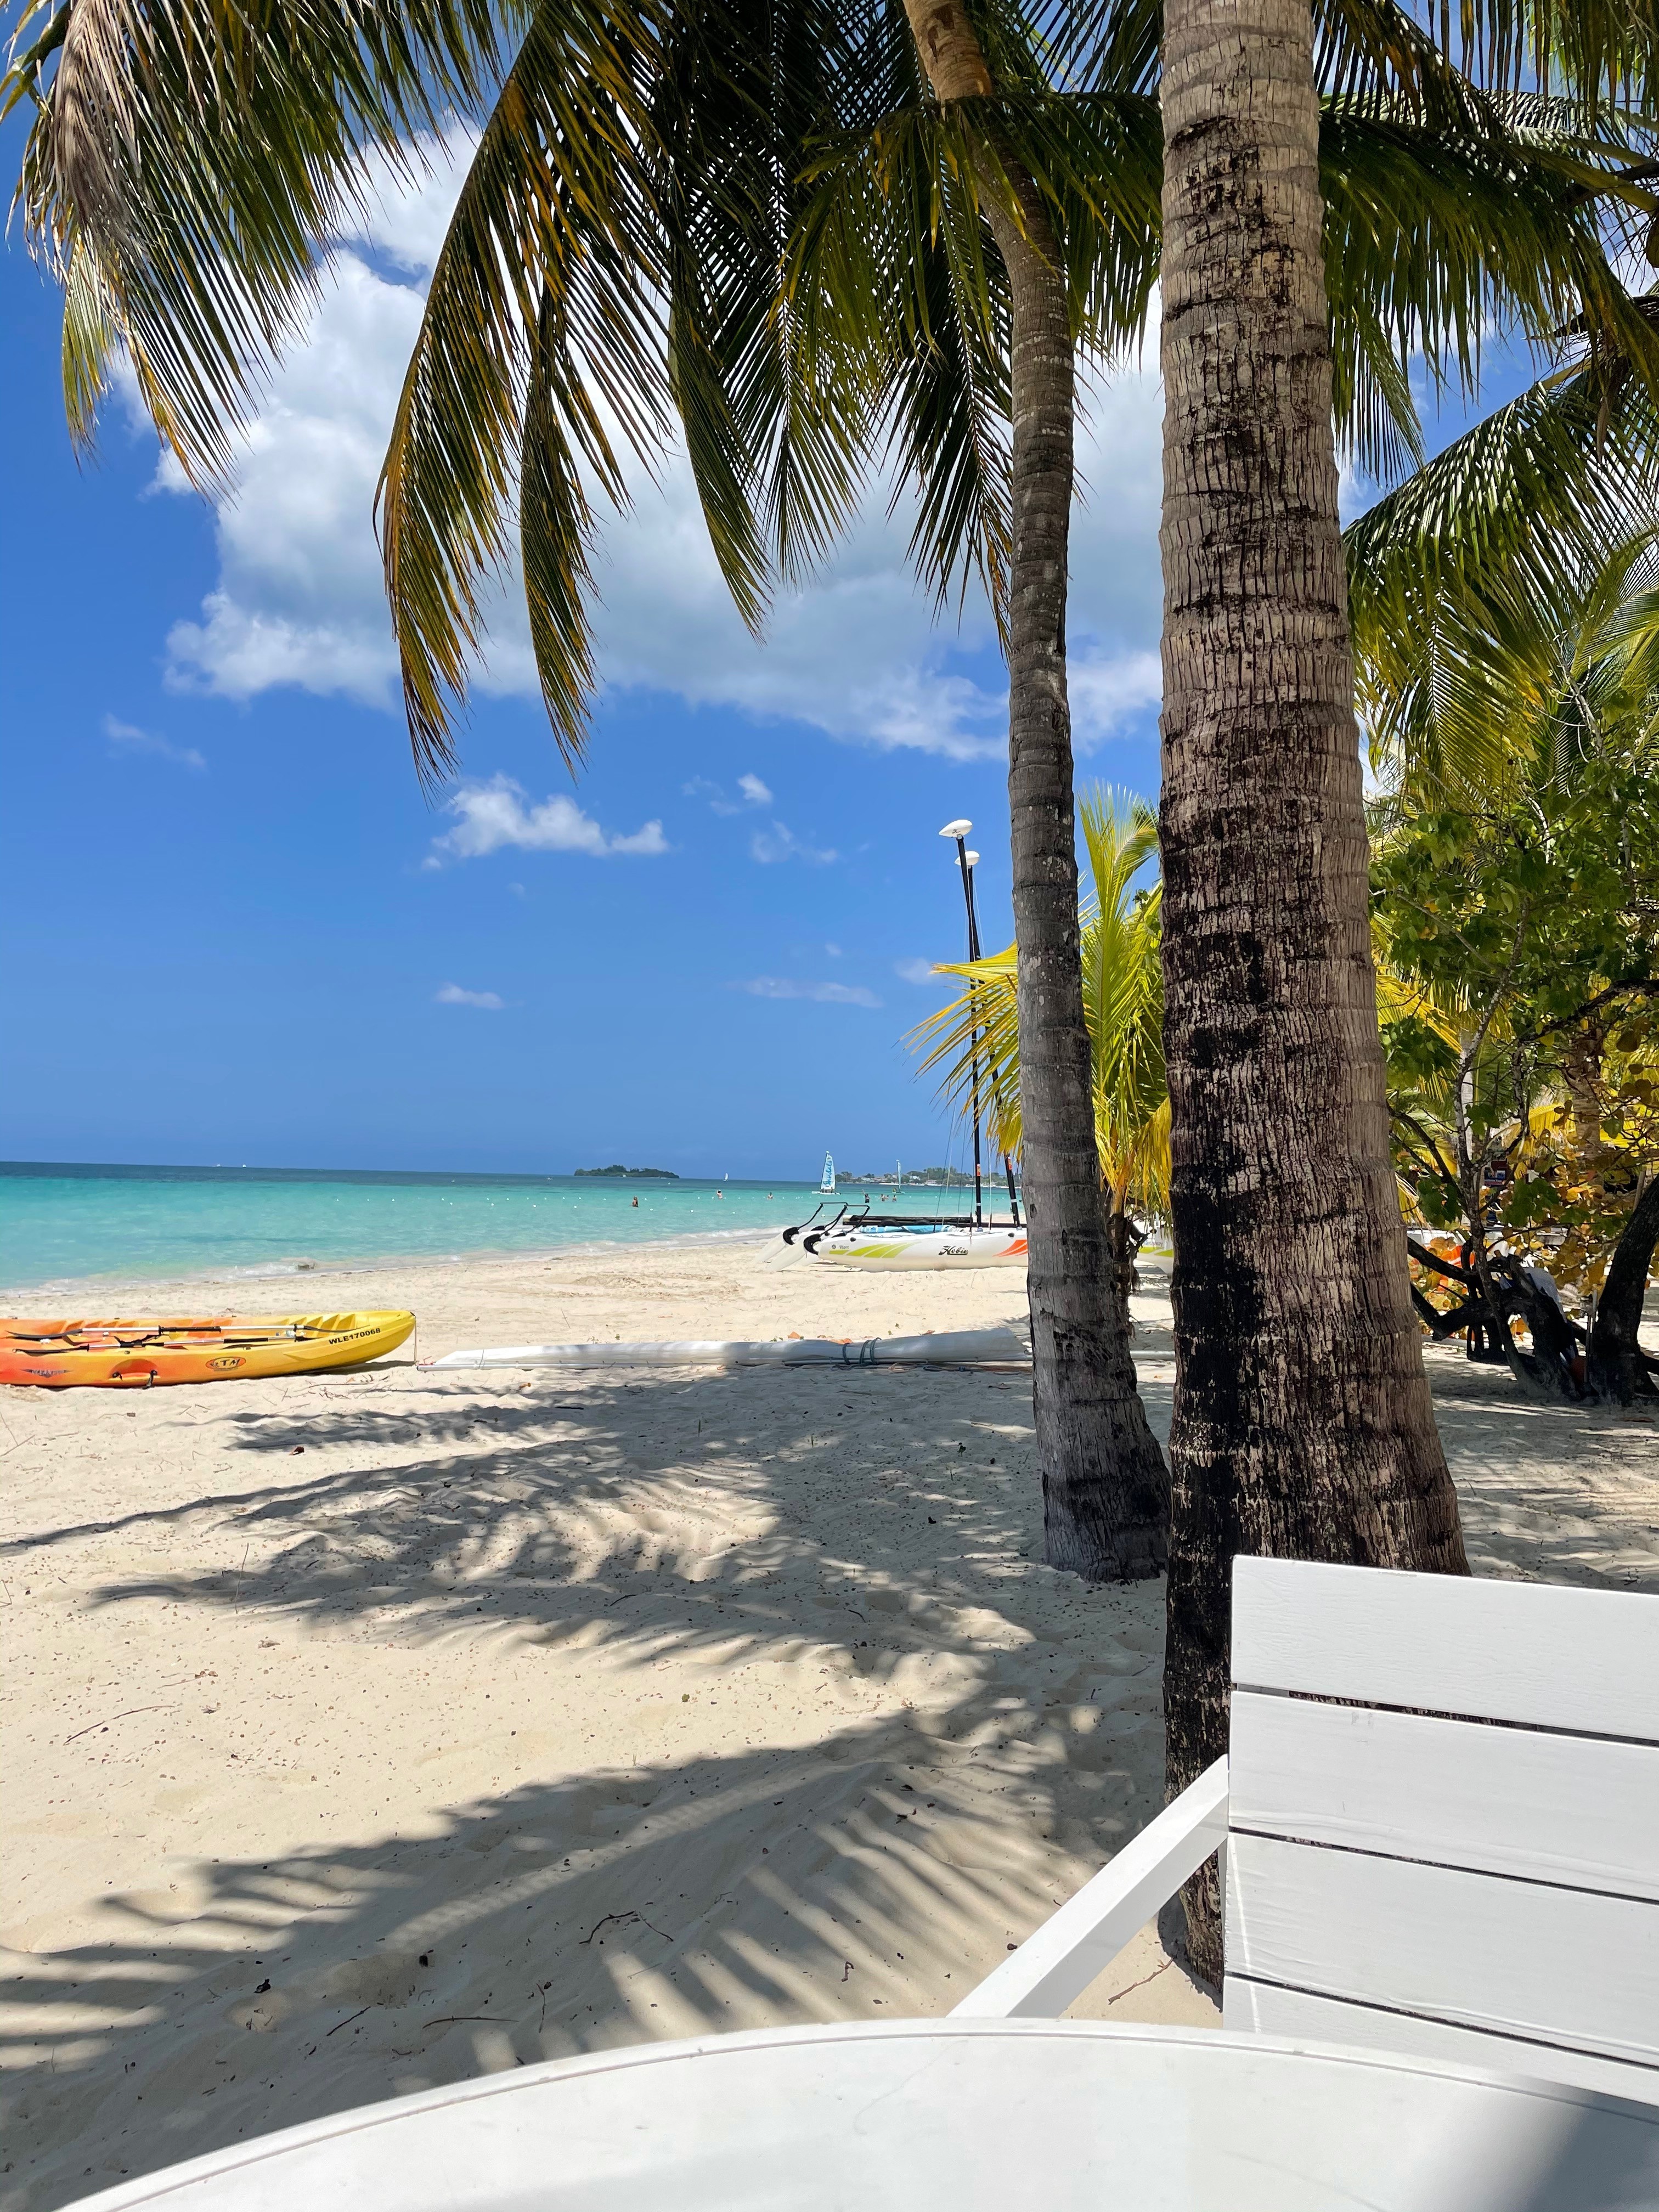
column 236, row 929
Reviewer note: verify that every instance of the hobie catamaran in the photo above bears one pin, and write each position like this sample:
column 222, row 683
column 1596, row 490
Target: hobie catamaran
column 884, row 1244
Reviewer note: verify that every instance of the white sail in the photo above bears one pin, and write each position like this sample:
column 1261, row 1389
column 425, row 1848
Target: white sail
column 829, row 1182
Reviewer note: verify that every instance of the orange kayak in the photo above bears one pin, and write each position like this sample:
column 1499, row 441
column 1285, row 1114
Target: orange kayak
column 135, row 1354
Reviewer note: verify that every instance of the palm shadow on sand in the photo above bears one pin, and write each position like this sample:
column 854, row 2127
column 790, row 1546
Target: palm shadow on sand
column 860, row 1530
column 894, row 1852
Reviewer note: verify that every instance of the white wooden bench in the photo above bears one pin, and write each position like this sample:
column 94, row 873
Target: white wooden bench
column 1439, row 1822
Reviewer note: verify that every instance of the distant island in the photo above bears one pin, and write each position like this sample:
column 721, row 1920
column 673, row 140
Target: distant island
column 659, row 1175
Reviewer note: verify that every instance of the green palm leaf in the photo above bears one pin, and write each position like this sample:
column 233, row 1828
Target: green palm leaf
column 1507, row 588
column 205, row 156
column 753, row 220
column 540, row 343
column 974, row 1041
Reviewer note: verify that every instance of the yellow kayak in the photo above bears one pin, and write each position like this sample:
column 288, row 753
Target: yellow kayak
column 65, row 1354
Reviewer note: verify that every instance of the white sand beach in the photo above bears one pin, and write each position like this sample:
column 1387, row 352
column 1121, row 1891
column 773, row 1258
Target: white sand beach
column 366, row 1732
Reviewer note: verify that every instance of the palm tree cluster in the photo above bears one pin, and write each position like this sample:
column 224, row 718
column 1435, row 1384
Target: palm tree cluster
column 827, row 241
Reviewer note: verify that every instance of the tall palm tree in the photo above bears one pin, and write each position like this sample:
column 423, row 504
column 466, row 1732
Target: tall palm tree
column 621, row 258
column 1105, row 1508
column 1444, row 208
column 762, row 223
column 1301, row 1421
column 978, row 1041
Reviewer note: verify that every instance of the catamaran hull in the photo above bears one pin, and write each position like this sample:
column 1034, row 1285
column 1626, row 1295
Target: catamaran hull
column 880, row 1253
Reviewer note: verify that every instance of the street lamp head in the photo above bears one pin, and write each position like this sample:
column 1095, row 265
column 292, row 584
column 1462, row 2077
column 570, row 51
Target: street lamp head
column 973, row 859
column 956, row 829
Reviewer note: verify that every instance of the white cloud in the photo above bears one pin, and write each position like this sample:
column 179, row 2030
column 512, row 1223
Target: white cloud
column 780, row 842
column 298, row 600
column 451, row 995
column 488, row 816
column 409, row 215
column 755, row 794
column 834, row 951
column 1106, row 692
column 828, row 994
column 918, row 707
column 126, row 738
column 919, row 971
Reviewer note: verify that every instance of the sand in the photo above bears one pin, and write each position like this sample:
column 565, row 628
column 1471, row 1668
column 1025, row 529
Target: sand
column 369, row 1732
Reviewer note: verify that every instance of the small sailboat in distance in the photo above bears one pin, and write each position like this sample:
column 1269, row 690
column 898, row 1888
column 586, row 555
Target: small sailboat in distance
column 828, row 1185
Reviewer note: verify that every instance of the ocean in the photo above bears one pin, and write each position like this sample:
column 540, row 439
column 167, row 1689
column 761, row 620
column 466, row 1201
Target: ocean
column 92, row 1226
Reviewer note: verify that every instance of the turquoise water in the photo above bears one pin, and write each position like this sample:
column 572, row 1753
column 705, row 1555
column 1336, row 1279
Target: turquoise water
column 63, row 1223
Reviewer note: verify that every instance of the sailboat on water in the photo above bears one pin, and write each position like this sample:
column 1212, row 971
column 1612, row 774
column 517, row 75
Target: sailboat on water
column 853, row 1238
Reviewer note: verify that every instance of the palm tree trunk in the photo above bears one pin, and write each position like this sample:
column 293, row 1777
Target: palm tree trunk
column 1104, row 1487
column 1303, row 1426
column 1614, row 1367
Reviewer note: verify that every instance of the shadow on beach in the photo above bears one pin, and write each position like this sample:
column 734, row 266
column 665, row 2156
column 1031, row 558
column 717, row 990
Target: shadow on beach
column 946, row 1738
column 942, row 1737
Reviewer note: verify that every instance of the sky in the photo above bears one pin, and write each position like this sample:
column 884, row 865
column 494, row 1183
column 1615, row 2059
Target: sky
column 236, row 928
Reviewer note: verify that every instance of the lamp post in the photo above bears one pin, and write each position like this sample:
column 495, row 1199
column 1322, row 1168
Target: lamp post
column 965, row 861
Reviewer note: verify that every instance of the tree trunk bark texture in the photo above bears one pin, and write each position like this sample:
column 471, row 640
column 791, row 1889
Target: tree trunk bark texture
column 1105, row 1497
column 1303, row 1426
column 1614, row 1368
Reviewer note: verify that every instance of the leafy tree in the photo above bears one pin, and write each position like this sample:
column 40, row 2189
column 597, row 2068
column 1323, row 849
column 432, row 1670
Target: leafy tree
column 1522, row 914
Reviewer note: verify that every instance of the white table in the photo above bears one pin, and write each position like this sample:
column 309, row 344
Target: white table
column 951, row 2116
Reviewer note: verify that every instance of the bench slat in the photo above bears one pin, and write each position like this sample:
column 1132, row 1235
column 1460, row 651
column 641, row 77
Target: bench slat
column 1261, row 2009
column 1542, row 1655
column 1557, row 1965
column 1557, row 1808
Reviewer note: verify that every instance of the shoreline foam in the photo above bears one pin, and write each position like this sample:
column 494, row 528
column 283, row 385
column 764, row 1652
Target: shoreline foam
column 379, row 1263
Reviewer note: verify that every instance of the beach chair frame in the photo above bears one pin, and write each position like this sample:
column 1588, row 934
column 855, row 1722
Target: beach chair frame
column 1438, row 1823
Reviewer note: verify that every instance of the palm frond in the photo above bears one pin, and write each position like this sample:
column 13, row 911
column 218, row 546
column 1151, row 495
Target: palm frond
column 974, row 1042
column 1500, row 590
column 1454, row 219
column 206, row 157
column 91, row 339
column 541, row 341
